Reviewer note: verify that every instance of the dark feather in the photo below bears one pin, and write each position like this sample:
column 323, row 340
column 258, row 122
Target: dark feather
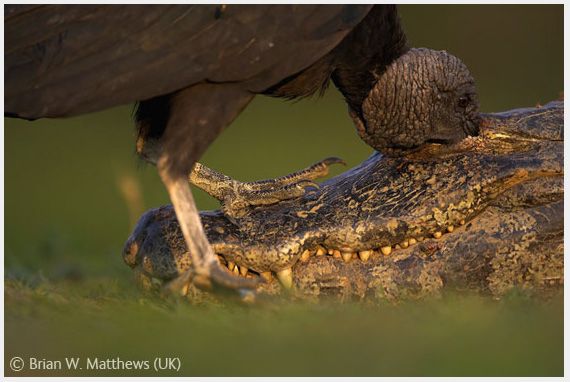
column 63, row 60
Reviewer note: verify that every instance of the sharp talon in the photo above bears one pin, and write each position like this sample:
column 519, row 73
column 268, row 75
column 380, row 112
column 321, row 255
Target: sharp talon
column 334, row 160
column 179, row 286
column 231, row 215
column 203, row 282
column 307, row 184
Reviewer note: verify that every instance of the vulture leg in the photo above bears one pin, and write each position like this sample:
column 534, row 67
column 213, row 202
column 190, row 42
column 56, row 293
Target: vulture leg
column 237, row 196
column 197, row 115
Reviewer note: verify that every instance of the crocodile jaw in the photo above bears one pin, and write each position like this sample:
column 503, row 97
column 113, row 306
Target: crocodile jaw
column 384, row 209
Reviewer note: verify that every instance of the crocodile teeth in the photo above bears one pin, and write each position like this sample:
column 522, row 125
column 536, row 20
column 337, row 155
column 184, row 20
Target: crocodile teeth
column 386, row 250
column 266, row 275
column 330, row 251
column 412, row 241
column 305, row 255
column 320, row 251
column 243, row 271
column 346, row 256
column 364, row 255
column 450, row 228
column 462, row 222
column 285, row 277
column 336, row 254
column 184, row 290
column 236, row 270
column 421, row 238
column 437, row 234
column 231, row 265
column 404, row 244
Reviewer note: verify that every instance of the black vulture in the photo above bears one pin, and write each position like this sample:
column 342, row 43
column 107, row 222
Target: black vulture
column 193, row 68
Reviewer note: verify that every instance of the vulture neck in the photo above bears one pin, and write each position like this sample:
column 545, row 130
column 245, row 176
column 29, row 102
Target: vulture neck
column 364, row 54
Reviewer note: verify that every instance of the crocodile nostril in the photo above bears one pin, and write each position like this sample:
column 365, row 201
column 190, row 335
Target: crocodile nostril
column 130, row 253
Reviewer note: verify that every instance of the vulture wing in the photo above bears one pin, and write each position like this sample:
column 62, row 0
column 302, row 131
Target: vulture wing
column 63, row 60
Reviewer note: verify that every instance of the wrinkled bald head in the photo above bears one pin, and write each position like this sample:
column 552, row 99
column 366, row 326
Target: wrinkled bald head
column 423, row 96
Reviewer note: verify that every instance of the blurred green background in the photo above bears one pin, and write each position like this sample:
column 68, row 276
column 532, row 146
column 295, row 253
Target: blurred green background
column 74, row 188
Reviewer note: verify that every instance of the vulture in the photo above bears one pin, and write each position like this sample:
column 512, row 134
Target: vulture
column 191, row 69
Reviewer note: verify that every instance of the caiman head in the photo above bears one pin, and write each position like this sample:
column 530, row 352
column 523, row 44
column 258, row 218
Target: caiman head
column 483, row 214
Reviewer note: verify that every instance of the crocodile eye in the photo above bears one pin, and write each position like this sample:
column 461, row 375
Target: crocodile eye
column 463, row 101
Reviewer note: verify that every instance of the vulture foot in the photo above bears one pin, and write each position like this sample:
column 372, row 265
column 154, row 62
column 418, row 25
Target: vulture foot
column 238, row 197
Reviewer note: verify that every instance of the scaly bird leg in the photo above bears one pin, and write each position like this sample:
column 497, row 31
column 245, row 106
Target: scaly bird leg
column 237, row 196
column 196, row 117
column 205, row 265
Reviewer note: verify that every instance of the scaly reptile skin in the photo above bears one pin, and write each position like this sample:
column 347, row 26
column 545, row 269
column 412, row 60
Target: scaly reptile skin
column 484, row 215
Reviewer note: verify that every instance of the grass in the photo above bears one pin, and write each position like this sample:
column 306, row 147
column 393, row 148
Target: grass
column 456, row 335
